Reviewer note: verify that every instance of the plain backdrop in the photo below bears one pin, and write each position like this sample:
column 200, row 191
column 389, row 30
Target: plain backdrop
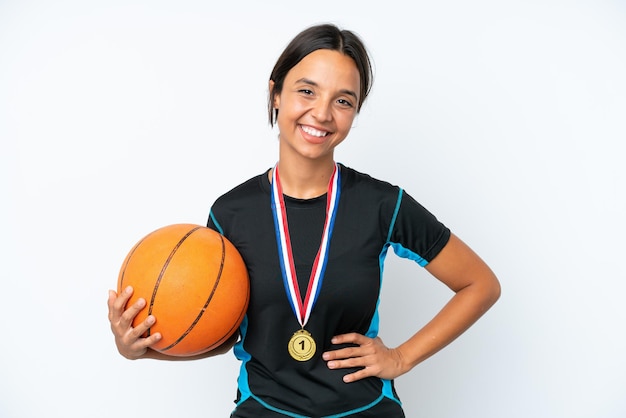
column 505, row 119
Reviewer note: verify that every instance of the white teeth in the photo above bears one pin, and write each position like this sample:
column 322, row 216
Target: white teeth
column 313, row 131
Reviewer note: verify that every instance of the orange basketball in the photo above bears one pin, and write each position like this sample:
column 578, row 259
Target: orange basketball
column 194, row 282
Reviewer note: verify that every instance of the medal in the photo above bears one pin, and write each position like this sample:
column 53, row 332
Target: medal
column 302, row 346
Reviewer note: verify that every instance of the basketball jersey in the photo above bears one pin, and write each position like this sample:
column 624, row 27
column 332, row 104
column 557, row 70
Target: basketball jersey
column 371, row 216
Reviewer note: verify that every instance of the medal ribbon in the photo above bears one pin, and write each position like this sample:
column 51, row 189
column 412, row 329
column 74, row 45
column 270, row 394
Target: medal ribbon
column 302, row 309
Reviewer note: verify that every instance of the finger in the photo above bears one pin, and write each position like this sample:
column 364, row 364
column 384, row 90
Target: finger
column 358, row 375
column 129, row 314
column 365, row 346
column 344, row 353
column 119, row 303
column 143, row 343
column 153, row 339
column 347, row 363
column 111, row 302
column 353, row 337
column 133, row 348
column 144, row 326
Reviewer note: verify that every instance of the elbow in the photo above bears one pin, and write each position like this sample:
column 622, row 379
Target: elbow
column 492, row 291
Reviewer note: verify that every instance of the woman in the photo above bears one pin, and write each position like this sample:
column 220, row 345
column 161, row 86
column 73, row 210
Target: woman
column 314, row 235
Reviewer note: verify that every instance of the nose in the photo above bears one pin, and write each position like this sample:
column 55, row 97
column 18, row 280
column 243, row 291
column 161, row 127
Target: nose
column 322, row 111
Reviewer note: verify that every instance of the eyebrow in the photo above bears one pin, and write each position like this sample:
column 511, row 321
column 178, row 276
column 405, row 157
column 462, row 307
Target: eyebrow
column 314, row 84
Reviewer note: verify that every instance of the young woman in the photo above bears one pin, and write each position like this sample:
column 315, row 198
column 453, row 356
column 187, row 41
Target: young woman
column 314, row 235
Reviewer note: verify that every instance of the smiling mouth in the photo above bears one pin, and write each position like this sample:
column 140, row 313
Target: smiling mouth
column 314, row 132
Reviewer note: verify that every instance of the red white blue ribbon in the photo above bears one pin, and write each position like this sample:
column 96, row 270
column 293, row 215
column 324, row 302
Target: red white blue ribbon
column 302, row 308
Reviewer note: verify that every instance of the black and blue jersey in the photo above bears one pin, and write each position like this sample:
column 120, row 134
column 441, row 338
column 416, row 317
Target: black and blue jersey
column 372, row 216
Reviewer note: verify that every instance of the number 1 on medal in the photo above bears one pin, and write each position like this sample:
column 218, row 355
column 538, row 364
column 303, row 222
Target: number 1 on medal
column 298, row 347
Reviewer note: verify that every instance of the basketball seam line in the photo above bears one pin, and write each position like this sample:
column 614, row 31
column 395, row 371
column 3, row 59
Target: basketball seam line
column 217, row 280
column 165, row 265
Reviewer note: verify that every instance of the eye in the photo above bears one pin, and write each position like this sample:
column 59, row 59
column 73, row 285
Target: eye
column 305, row 91
column 345, row 103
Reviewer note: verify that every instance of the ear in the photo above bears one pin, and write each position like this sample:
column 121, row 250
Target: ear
column 276, row 98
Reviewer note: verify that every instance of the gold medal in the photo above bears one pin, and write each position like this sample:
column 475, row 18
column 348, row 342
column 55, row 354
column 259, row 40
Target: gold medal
column 301, row 345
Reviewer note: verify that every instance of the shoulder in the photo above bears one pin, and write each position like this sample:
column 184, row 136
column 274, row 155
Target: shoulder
column 370, row 188
column 368, row 200
column 243, row 192
column 365, row 183
column 242, row 202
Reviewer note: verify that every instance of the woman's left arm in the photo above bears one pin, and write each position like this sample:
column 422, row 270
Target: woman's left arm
column 476, row 289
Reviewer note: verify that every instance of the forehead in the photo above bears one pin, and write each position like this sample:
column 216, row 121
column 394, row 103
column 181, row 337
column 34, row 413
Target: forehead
column 327, row 68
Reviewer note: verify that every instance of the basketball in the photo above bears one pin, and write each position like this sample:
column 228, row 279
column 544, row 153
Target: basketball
column 194, row 282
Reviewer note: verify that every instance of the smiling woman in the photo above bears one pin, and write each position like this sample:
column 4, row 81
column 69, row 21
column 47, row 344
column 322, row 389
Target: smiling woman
column 314, row 235
column 315, row 110
column 320, row 38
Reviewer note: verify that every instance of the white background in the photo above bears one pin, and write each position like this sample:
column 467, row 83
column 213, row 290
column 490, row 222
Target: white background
column 505, row 119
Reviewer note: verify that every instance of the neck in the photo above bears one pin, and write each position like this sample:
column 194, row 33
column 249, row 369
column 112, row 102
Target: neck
column 305, row 179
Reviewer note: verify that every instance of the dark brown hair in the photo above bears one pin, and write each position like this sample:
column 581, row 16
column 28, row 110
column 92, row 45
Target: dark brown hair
column 325, row 36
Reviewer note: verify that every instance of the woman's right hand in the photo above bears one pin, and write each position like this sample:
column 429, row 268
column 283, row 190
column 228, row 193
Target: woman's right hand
column 129, row 340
